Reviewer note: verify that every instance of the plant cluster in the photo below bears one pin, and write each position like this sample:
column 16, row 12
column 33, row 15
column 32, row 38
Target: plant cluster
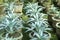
column 37, row 26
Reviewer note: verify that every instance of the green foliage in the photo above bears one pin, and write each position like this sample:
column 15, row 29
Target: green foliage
column 25, row 18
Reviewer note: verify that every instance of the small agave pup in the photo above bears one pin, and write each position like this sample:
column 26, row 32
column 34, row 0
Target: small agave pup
column 12, row 22
column 38, row 25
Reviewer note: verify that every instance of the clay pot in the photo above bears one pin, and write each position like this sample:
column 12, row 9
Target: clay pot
column 50, row 17
column 15, row 36
column 18, row 8
column 46, row 38
column 58, row 29
column 50, row 20
column 55, row 20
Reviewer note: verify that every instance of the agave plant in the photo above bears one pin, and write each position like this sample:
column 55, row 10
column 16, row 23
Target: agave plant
column 37, row 24
column 53, row 10
column 32, row 9
column 11, row 22
column 38, row 27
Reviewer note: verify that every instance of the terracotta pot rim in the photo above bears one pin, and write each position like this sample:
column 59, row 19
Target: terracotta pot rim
column 53, row 15
column 55, row 19
column 20, row 37
column 49, row 35
column 57, row 25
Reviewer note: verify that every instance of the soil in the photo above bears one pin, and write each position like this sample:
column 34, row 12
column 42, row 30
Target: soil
column 14, row 35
